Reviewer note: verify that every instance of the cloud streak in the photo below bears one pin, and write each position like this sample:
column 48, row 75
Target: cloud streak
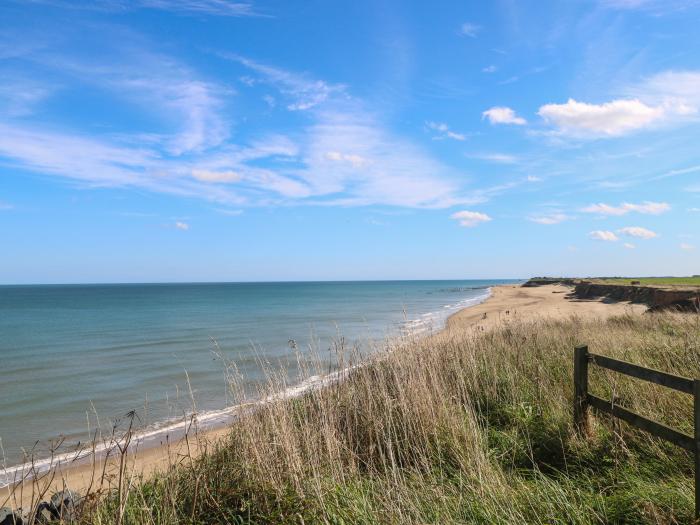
column 444, row 132
column 647, row 207
column 637, row 231
column 224, row 8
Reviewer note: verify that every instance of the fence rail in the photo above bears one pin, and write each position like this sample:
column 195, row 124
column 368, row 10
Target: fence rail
column 584, row 399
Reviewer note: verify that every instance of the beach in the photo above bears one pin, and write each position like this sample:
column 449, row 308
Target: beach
column 507, row 303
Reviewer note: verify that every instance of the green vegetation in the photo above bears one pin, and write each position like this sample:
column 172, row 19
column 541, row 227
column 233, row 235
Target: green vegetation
column 456, row 428
column 659, row 281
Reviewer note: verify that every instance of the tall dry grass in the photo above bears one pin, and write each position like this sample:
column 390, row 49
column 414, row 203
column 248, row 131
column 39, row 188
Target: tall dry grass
column 460, row 427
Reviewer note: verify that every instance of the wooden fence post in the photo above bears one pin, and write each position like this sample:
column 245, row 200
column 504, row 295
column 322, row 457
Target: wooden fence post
column 581, row 390
column 696, row 436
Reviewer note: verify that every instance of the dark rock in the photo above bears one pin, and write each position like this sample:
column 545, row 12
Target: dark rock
column 45, row 513
column 8, row 517
column 64, row 504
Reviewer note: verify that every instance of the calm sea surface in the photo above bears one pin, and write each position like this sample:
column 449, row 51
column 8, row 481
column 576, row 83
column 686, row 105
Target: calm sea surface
column 77, row 357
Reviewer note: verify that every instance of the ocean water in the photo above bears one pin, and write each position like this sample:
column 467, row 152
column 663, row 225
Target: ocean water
column 78, row 358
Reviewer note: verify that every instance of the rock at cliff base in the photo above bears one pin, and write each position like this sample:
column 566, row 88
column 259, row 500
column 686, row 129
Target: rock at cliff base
column 8, row 517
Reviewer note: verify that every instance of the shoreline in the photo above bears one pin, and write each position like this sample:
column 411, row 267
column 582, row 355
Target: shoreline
column 208, row 422
column 96, row 469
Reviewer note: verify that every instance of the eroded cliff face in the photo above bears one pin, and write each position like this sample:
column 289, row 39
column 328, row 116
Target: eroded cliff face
column 687, row 300
column 543, row 281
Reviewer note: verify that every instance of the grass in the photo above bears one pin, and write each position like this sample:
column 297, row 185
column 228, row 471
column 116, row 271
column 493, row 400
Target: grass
column 462, row 427
column 660, row 281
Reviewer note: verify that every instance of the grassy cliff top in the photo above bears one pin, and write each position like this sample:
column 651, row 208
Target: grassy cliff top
column 653, row 281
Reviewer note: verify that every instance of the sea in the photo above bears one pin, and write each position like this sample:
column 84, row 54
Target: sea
column 79, row 361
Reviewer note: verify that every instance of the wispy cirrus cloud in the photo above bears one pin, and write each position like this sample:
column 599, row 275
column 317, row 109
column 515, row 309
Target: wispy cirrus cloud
column 652, row 6
column 216, row 176
column 19, row 96
column 647, row 207
column 349, row 157
column 201, row 7
column 304, row 91
column 444, row 132
column 469, row 29
column 549, row 219
column 498, row 158
column 340, row 152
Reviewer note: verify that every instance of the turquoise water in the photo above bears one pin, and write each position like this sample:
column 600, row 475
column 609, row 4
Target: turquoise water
column 75, row 357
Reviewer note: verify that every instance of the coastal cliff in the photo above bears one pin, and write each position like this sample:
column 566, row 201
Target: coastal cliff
column 657, row 298
column 686, row 299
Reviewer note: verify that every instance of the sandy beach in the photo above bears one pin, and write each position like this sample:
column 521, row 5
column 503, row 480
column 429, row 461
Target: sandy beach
column 507, row 303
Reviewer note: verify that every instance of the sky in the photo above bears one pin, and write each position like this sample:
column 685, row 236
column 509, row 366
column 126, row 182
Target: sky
column 218, row 140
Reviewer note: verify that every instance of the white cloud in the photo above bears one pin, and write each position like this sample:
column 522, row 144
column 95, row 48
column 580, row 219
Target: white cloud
column 469, row 219
column 490, row 69
column 216, row 176
column 637, row 231
column 665, row 98
column 444, row 131
column 469, row 29
column 533, row 178
column 182, row 226
column 629, row 246
column 502, row 115
column 686, row 247
column 647, row 207
column 694, row 210
column 552, row 218
column 609, row 119
column 603, row 235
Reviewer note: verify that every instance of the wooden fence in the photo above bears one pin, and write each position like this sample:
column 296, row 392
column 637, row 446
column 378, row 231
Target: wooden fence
column 584, row 399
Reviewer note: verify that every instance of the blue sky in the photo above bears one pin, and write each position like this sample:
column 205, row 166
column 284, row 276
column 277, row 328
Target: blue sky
column 210, row 140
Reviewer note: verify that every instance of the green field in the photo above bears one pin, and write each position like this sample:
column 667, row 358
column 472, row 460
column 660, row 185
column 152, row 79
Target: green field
column 665, row 281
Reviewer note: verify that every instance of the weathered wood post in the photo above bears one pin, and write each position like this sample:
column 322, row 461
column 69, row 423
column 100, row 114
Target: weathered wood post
column 581, row 390
column 696, row 436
